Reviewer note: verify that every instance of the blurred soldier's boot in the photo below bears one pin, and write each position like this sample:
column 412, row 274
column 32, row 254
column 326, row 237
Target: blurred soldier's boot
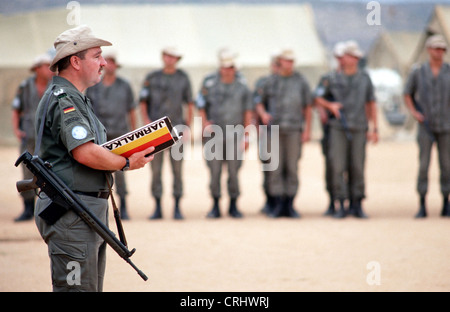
column 123, row 209
column 176, row 212
column 351, row 207
column 356, row 209
column 445, row 208
column 341, row 213
column 157, row 214
column 289, row 207
column 28, row 211
column 331, row 210
column 278, row 207
column 233, row 211
column 215, row 211
column 422, row 213
column 268, row 205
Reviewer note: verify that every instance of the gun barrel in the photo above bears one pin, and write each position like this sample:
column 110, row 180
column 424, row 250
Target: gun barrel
column 141, row 274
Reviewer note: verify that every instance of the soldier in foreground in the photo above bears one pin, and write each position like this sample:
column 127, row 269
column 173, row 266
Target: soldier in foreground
column 69, row 140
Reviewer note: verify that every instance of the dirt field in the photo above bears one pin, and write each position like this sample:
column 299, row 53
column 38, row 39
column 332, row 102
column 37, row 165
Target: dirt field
column 390, row 251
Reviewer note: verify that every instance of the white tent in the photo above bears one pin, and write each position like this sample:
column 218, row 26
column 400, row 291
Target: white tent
column 139, row 32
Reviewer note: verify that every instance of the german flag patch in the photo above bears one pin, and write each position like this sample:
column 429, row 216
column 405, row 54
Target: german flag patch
column 69, row 109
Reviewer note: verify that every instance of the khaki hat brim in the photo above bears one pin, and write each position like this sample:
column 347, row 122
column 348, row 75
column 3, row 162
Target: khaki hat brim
column 178, row 56
column 76, row 46
column 437, row 46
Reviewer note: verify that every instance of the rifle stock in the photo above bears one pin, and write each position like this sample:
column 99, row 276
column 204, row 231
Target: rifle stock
column 62, row 197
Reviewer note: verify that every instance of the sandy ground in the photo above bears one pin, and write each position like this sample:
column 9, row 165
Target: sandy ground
column 390, row 251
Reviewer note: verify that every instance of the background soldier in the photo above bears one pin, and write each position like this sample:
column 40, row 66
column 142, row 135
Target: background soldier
column 164, row 93
column 223, row 53
column 225, row 101
column 354, row 108
column 113, row 102
column 288, row 99
column 257, row 93
column 24, row 108
column 428, row 98
column 325, row 116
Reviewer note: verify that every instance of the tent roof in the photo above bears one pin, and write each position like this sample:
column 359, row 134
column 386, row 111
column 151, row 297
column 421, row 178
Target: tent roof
column 139, row 32
column 400, row 45
column 438, row 23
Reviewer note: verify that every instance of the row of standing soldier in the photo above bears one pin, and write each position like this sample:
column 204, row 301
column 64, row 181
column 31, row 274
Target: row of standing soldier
column 344, row 98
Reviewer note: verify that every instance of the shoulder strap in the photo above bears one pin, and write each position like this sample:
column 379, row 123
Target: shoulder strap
column 41, row 126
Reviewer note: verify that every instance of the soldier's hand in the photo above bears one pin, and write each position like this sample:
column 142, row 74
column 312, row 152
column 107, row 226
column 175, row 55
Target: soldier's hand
column 246, row 141
column 266, row 118
column 207, row 127
column 418, row 116
column 306, row 136
column 334, row 108
column 372, row 136
column 20, row 135
column 138, row 160
column 146, row 120
column 323, row 116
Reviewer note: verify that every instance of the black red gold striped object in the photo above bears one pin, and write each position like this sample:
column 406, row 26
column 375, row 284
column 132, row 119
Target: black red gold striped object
column 159, row 134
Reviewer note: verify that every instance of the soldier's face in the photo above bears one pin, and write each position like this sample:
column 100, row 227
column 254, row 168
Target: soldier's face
column 275, row 66
column 44, row 71
column 92, row 66
column 436, row 53
column 170, row 60
column 349, row 60
column 227, row 73
column 111, row 66
column 286, row 66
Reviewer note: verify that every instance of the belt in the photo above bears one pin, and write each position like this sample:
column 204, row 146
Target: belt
column 98, row 194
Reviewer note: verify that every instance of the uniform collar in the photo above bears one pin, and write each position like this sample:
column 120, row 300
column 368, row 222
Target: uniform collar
column 68, row 87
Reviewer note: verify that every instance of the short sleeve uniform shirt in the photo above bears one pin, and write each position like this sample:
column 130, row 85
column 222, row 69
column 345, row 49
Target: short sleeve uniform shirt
column 70, row 122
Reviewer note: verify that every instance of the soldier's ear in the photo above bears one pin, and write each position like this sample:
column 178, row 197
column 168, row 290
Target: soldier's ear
column 75, row 61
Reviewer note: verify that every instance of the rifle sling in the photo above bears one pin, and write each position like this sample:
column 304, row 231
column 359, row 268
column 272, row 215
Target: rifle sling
column 41, row 126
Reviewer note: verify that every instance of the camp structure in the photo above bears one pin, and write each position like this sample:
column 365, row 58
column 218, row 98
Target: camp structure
column 140, row 32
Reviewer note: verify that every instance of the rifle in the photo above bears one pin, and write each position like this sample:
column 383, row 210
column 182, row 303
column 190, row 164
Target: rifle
column 63, row 199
